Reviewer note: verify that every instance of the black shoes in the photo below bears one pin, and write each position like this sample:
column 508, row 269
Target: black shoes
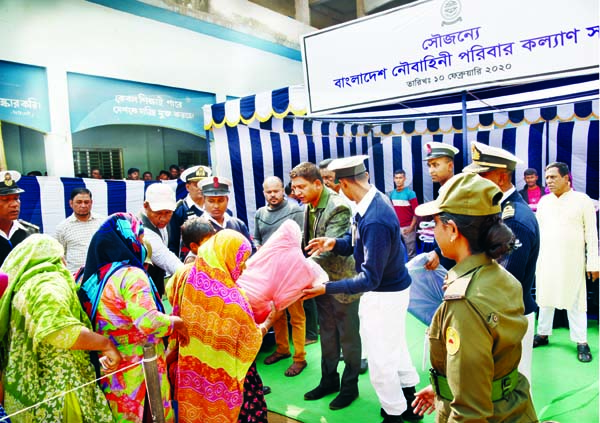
column 409, row 414
column 364, row 366
column 540, row 340
column 342, row 401
column 319, row 392
column 266, row 390
column 583, row 353
column 392, row 419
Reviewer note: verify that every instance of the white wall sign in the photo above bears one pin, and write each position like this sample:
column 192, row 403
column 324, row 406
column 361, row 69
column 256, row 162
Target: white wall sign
column 437, row 46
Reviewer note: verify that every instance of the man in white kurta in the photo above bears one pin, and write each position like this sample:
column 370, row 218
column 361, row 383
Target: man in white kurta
column 568, row 249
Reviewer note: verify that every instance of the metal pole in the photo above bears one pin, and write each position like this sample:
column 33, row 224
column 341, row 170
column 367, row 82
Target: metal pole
column 207, row 134
column 153, row 384
column 465, row 142
column 3, row 165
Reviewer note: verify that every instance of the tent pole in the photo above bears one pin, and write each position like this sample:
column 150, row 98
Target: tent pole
column 207, row 135
column 465, row 142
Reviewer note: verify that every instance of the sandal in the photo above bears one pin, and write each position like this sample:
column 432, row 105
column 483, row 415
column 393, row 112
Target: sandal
column 583, row 353
column 296, row 368
column 275, row 357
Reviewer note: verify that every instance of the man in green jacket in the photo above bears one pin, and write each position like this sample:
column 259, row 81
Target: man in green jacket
column 327, row 214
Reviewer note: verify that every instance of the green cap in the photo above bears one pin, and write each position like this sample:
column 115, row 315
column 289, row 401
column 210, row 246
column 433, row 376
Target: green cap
column 467, row 194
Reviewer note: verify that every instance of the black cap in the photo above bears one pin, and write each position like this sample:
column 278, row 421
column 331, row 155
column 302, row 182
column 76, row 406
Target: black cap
column 8, row 182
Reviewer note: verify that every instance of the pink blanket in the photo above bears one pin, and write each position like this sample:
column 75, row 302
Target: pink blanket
column 279, row 272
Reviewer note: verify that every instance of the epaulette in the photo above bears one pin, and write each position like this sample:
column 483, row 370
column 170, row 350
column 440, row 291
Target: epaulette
column 508, row 211
column 29, row 227
column 458, row 288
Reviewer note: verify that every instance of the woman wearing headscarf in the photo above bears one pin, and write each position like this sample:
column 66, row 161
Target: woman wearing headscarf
column 44, row 335
column 124, row 306
column 475, row 335
column 216, row 379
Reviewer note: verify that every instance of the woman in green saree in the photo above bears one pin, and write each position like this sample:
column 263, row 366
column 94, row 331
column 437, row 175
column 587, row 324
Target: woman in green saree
column 44, row 339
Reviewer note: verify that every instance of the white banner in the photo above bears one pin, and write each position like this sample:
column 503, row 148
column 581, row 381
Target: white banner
column 437, row 46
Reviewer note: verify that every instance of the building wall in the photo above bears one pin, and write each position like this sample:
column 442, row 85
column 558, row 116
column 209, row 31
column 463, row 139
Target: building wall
column 81, row 36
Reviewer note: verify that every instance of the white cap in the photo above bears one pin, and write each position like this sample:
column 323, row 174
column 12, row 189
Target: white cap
column 348, row 166
column 160, row 197
column 195, row 173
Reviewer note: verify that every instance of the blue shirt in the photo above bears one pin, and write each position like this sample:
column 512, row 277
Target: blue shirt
column 378, row 252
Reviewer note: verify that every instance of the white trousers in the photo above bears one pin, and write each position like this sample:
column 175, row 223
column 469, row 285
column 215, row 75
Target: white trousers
column 383, row 334
column 577, row 324
column 527, row 348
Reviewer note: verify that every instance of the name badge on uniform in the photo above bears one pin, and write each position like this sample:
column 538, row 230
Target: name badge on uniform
column 354, row 227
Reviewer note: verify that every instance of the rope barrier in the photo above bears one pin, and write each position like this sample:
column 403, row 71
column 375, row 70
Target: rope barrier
column 75, row 389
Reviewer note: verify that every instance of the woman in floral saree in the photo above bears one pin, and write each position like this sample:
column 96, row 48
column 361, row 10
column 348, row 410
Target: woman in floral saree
column 123, row 305
column 44, row 333
column 216, row 379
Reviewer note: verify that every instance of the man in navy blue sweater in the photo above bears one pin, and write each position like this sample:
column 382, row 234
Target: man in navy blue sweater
column 379, row 255
column 498, row 166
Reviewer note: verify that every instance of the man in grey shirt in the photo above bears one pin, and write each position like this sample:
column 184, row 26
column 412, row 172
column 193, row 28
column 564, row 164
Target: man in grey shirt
column 266, row 221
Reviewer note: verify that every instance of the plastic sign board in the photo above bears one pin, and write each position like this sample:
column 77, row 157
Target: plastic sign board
column 96, row 101
column 24, row 95
column 434, row 47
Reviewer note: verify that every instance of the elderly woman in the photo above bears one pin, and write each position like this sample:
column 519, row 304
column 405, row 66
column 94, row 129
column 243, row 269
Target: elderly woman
column 44, row 335
column 476, row 333
column 216, row 378
column 123, row 305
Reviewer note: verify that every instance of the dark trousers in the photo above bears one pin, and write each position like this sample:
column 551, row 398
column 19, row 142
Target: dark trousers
column 310, row 310
column 339, row 326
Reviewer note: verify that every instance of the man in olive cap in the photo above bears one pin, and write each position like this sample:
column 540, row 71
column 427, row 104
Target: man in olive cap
column 12, row 230
column 191, row 205
column 498, row 166
column 376, row 243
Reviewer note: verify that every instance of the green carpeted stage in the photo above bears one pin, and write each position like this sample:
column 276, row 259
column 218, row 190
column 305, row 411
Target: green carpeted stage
column 564, row 390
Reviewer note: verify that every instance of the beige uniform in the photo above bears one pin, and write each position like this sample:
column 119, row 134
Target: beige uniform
column 475, row 339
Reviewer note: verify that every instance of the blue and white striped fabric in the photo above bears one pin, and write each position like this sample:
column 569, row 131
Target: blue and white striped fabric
column 45, row 201
column 248, row 154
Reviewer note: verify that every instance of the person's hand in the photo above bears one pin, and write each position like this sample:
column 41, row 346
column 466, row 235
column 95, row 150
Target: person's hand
column 433, row 261
column 406, row 231
column 179, row 326
column 424, row 401
column 317, row 246
column 593, row 275
column 111, row 358
column 271, row 317
column 315, row 291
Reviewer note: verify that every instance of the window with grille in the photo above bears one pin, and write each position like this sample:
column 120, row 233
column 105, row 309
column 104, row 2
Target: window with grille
column 108, row 160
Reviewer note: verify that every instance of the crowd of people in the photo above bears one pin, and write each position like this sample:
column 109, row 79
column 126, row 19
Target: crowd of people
column 83, row 302
column 133, row 174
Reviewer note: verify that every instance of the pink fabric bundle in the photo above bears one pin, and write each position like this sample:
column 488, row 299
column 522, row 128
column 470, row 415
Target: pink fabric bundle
column 279, row 272
column 3, row 283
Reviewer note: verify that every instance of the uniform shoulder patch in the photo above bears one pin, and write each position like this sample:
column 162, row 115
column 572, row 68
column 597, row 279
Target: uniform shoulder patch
column 458, row 288
column 508, row 211
column 29, row 227
column 452, row 340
